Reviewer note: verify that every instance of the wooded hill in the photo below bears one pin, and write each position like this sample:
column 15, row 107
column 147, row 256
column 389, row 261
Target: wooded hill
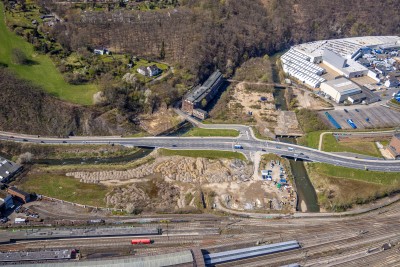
column 199, row 35
column 27, row 109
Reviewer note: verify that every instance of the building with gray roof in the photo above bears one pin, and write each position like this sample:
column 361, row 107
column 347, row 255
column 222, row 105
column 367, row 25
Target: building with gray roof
column 207, row 91
column 8, row 169
column 183, row 259
column 340, row 89
column 24, row 256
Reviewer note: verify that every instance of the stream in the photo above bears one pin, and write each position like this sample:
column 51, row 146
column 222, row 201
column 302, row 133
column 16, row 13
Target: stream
column 307, row 200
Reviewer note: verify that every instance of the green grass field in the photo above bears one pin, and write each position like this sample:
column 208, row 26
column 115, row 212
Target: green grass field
column 382, row 178
column 212, row 132
column 66, row 188
column 43, row 72
column 360, row 147
column 210, row 154
column 310, row 139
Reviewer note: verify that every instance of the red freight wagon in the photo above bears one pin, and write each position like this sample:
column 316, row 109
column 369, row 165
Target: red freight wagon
column 141, row 241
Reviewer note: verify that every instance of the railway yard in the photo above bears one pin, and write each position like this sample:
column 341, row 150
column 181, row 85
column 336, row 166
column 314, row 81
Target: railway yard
column 371, row 239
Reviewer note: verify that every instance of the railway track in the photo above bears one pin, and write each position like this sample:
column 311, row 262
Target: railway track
column 329, row 241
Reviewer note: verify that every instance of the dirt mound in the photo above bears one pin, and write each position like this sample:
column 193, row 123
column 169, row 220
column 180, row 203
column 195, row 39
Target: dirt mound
column 152, row 195
column 183, row 169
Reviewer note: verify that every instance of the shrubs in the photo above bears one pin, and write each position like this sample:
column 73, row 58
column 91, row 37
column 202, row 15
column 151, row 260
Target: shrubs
column 310, row 121
column 19, row 57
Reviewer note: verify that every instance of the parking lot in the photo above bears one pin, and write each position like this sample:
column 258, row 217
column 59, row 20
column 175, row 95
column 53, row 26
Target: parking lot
column 377, row 116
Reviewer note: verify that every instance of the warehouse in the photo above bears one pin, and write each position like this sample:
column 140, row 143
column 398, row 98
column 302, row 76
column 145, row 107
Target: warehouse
column 346, row 67
column 299, row 66
column 8, row 169
column 341, row 55
column 201, row 95
column 341, row 89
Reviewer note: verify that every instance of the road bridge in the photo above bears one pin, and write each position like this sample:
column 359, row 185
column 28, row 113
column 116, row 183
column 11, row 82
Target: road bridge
column 249, row 143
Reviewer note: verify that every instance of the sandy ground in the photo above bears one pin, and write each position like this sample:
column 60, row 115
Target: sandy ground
column 383, row 151
column 307, row 100
column 160, row 121
column 248, row 99
column 288, row 124
column 256, row 194
column 265, row 115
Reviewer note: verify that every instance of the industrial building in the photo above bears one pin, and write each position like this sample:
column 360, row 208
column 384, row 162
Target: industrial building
column 346, row 67
column 182, row 258
column 343, row 89
column 8, row 169
column 19, row 194
column 193, row 102
column 6, row 203
column 341, row 55
column 299, row 66
column 394, row 146
column 24, row 256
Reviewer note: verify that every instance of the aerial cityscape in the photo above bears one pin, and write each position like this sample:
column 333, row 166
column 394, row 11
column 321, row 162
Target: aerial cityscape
column 199, row 133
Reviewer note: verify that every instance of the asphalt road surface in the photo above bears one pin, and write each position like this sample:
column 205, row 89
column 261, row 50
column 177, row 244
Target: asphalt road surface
column 246, row 139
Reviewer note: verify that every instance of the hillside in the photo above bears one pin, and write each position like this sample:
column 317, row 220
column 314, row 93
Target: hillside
column 199, row 35
column 193, row 37
column 25, row 108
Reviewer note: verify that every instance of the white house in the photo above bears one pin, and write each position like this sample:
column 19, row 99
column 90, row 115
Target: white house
column 149, row 71
column 101, row 51
column 142, row 70
column 153, row 70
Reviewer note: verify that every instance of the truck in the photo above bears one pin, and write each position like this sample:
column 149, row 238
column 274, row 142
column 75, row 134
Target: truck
column 238, row 147
column 19, row 220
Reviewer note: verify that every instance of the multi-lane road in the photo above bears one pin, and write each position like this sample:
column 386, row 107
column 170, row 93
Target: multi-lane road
column 246, row 139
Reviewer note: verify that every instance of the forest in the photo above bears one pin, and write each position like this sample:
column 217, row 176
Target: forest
column 204, row 34
column 194, row 37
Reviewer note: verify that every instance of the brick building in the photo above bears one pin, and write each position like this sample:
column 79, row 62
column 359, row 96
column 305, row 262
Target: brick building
column 19, row 194
column 194, row 100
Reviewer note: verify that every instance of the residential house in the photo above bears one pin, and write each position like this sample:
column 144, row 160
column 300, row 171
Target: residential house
column 142, row 70
column 153, row 70
column 150, row 71
column 101, row 51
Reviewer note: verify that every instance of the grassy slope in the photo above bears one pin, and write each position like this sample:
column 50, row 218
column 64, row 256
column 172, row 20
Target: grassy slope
column 211, row 154
column 212, row 132
column 382, row 178
column 66, row 188
column 43, row 72
column 366, row 148
column 310, row 139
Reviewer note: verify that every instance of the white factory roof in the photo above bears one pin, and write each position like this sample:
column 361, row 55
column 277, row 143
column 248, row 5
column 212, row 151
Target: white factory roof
column 353, row 66
column 344, row 47
column 343, row 86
